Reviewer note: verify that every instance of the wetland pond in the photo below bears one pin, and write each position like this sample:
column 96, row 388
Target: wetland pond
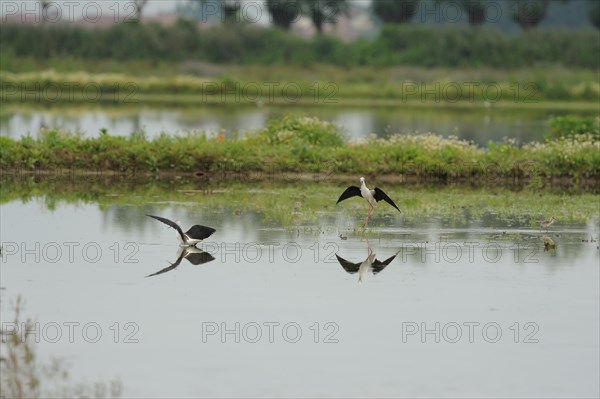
column 477, row 124
column 467, row 300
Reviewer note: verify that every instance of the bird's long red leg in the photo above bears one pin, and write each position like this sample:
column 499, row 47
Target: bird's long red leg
column 369, row 214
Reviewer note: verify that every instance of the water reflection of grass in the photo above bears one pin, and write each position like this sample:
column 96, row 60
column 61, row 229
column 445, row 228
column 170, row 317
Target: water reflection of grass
column 313, row 204
column 23, row 375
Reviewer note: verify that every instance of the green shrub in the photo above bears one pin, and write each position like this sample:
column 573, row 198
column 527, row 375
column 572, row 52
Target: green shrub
column 301, row 131
column 570, row 125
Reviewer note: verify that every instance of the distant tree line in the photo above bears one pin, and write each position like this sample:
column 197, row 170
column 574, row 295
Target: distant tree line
column 526, row 13
column 282, row 12
column 418, row 45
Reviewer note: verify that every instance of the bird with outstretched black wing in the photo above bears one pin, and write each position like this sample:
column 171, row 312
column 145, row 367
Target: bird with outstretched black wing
column 371, row 196
column 194, row 255
column 191, row 237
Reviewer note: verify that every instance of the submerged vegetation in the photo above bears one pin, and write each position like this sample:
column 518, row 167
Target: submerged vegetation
column 306, row 145
column 309, row 204
column 23, row 375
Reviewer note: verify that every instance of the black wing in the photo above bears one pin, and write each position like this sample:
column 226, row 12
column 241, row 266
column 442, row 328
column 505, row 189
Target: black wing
column 199, row 232
column 379, row 266
column 198, row 258
column 350, row 192
column 171, row 224
column 173, row 266
column 348, row 266
column 380, row 195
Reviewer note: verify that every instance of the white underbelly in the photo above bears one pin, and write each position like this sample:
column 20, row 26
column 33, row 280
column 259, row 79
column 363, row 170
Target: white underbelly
column 366, row 194
column 189, row 242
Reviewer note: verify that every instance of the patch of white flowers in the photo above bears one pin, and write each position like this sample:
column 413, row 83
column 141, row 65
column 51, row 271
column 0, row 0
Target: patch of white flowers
column 427, row 141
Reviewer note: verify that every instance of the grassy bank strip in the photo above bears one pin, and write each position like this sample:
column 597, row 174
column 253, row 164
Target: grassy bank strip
column 35, row 98
column 288, row 203
column 305, row 145
column 318, row 84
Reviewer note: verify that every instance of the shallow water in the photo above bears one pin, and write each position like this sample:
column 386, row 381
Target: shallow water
column 477, row 124
column 471, row 311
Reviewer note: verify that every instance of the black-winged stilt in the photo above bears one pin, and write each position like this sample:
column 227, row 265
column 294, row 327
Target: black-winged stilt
column 194, row 255
column 191, row 237
column 372, row 196
column 370, row 264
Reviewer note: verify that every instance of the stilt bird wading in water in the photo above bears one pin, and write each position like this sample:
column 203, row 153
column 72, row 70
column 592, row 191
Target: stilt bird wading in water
column 372, row 196
column 191, row 237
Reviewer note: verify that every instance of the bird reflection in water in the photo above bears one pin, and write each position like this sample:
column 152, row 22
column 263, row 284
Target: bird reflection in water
column 194, row 255
column 371, row 264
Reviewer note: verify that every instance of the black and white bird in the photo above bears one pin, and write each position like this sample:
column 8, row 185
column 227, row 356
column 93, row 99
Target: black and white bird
column 372, row 196
column 194, row 255
column 370, row 264
column 191, row 237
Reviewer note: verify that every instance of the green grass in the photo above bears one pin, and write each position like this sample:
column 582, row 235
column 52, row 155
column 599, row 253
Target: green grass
column 570, row 125
column 277, row 202
column 306, row 145
column 131, row 82
column 248, row 44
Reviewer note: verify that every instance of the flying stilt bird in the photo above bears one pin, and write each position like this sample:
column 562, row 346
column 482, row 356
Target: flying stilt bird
column 191, row 237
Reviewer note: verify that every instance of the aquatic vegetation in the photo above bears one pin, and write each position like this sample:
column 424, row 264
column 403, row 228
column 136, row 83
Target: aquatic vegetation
column 297, row 144
column 549, row 244
column 306, row 205
column 24, row 376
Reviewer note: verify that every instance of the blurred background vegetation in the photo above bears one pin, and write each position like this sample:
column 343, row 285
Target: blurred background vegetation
column 248, row 44
column 368, row 48
column 533, row 51
column 426, row 33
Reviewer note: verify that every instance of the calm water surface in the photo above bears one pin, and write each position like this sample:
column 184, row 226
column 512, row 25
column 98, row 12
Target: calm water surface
column 475, row 311
column 478, row 124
